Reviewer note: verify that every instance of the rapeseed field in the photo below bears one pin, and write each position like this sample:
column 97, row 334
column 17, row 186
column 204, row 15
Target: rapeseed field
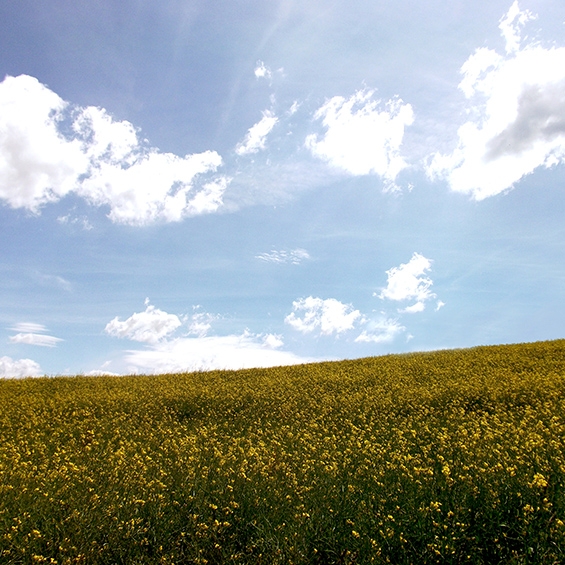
column 441, row 457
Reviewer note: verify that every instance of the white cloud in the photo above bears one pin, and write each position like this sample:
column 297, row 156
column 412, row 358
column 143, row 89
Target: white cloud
column 200, row 323
column 273, row 341
column 209, row 353
column 262, row 71
column 255, row 138
column 103, row 161
column 197, row 350
column 150, row 326
column 517, row 117
column 209, row 199
column 362, row 137
column 295, row 256
column 294, row 108
column 101, row 373
column 18, row 368
column 29, row 327
column 155, row 187
column 72, row 221
column 37, row 165
column 383, row 330
column 54, row 281
column 326, row 316
column 510, row 25
column 408, row 282
column 31, row 333
column 415, row 308
column 106, row 139
column 35, row 339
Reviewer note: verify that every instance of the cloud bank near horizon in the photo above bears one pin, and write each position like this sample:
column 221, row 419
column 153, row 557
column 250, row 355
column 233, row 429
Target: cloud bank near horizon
column 195, row 349
column 198, row 349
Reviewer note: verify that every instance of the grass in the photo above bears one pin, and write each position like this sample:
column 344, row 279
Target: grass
column 441, row 457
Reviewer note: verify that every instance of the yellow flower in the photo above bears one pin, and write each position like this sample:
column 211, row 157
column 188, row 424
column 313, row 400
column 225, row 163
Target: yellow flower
column 539, row 481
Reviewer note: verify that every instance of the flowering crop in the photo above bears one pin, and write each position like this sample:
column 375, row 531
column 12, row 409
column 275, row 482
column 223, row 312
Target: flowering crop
column 442, row 457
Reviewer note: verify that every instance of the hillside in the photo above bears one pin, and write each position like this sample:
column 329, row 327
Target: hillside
column 441, row 457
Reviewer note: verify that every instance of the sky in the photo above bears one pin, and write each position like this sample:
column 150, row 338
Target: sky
column 190, row 185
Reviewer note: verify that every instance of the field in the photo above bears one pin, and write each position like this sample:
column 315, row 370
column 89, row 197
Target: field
column 442, row 457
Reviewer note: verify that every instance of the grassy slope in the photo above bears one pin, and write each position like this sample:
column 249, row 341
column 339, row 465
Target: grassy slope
column 441, row 457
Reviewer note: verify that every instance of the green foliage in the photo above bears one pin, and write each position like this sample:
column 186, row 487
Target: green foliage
column 441, row 457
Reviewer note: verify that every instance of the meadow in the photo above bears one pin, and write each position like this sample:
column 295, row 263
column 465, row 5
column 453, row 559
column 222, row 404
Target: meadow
column 440, row 457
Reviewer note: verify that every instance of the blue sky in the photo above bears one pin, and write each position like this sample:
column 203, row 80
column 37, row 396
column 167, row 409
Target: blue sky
column 190, row 185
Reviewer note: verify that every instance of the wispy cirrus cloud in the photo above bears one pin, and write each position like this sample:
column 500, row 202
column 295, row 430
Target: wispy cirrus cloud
column 256, row 137
column 70, row 220
column 28, row 327
column 31, row 333
column 35, row 339
column 380, row 330
column 200, row 323
column 294, row 256
column 517, row 114
column 53, row 280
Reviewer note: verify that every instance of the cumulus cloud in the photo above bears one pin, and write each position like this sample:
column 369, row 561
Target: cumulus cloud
column 150, row 326
column 326, row 316
column 18, row 368
column 155, row 187
column 37, row 165
column 256, row 137
column 409, row 282
column 31, row 333
column 294, row 256
column 517, row 121
column 363, row 136
column 98, row 158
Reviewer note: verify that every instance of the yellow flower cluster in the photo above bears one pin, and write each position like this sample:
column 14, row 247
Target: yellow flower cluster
column 441, row 457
